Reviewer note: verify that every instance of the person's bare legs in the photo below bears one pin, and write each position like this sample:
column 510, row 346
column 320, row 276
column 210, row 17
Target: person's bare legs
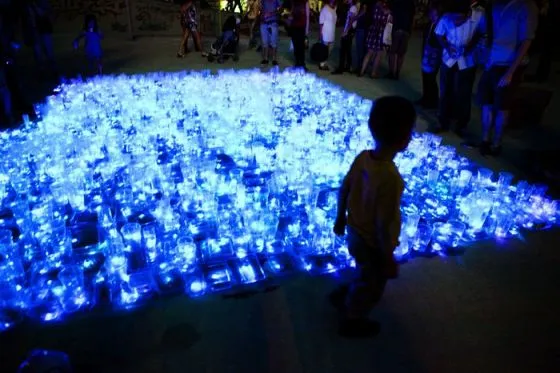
column 376, row 62
column 184, row 41
column 501, row 120
column 487, row 122
column 196, row 41
column 367, row 58
column 392, row 57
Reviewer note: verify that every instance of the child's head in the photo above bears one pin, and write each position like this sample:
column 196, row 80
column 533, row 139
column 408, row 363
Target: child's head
column 391, row 121
column 90, row 23
column 351, row 2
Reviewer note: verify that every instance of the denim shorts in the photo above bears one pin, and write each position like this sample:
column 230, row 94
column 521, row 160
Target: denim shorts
column 269, row 35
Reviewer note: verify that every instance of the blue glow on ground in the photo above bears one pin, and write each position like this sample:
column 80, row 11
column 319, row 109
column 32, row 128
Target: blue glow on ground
column 133, row 186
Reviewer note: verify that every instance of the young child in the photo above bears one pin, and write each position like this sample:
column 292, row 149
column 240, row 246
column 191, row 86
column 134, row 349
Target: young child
column 93, row 38
column 431, row 61
column 369, row 208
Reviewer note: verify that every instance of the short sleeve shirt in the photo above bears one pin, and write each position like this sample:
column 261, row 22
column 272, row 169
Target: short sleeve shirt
column 376, row 188
column 269, row 11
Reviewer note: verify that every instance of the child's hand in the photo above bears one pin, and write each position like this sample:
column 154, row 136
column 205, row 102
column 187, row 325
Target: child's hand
column 340, row 226
column 391, row 267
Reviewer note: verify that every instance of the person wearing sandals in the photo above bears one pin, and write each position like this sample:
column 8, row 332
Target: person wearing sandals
column 189, row 24
column 327, row 24
column 381, row 15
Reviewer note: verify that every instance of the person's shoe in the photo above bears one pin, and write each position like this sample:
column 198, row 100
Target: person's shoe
column 485, row 148
column 337, row 72
column 324, row 67
column 337, row 298
column 179, row 55
column 264, row 63
column 495, row 151
column 259, row 49
column 274, row 63
column 358, row 328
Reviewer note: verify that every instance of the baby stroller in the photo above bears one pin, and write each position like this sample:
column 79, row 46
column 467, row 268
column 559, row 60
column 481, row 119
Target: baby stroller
column 226, row 45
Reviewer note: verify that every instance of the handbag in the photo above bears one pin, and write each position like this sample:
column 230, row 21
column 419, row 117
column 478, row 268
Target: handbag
column 388, row 33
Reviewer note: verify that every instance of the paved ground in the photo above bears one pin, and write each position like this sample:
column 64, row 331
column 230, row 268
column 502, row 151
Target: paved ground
column 494, row 309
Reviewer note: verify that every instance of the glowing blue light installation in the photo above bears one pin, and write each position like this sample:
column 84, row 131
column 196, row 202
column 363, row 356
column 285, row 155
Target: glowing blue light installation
column 130, row 187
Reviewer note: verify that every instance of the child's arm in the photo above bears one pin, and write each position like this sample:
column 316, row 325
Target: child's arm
column 342, row 206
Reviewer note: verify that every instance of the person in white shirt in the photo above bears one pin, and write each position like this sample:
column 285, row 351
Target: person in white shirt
column 458, row 31
column 345, row 56
column 327, row 24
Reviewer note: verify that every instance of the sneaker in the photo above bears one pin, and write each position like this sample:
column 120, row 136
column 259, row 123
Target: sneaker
column 274, row 63
column 485, row 148
column 358, row 328
column 264, row 63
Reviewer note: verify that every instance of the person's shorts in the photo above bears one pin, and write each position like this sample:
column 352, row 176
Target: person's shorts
column 269, row 35
column 500, row 97
column 399, row 44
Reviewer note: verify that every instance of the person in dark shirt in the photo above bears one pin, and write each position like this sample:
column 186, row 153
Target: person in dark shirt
column 362, row 26
column 403, row 19
column 431, row 61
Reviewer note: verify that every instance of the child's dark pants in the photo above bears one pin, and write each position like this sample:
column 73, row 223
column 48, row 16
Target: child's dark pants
column 368, row 287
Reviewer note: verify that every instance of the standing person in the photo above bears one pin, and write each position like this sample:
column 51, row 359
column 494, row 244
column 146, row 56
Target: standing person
column 345, row 59
column 512, row 27
column 369, row 208
column 253, row 11
column 189, row 24
column 403, row 20
column 269, row 30
column 299, row 29
column 381, row 14
column 431, row 61
column 92, row 36
column 548, row 19
column 37, row 32
column 458, row 31
column 327, row 29
column 362, row 26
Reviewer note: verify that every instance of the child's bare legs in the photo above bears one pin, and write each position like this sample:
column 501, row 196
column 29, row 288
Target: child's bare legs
column 365, row 291
column 99, row 65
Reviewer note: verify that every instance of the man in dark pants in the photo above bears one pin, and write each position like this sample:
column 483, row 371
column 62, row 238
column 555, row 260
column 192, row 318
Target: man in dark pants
column 299, row 28
column 512, row 25
column 403, row 19
column 459, row 31
column 345, row 60
column 548, row 17
column 362, row 27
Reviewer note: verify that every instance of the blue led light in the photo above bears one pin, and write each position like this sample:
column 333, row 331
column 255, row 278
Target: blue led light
column 132, row 186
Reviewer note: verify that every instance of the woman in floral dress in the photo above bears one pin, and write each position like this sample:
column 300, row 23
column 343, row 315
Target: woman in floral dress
column 380, row 16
